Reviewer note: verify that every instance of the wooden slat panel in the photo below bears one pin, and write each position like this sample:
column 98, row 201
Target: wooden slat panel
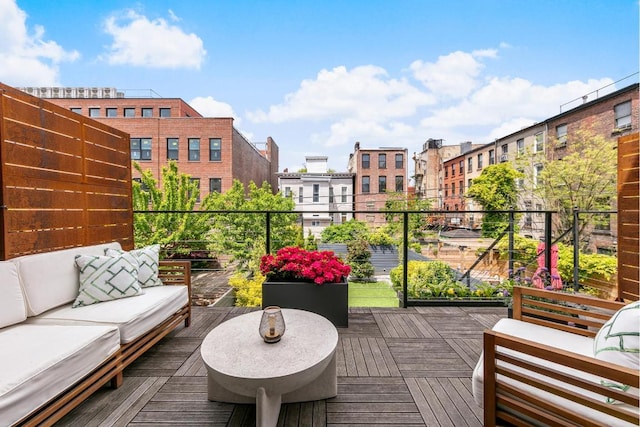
column 65, row 179
column 628, row 217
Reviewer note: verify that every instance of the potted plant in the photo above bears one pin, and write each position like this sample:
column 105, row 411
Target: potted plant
column 315, row 281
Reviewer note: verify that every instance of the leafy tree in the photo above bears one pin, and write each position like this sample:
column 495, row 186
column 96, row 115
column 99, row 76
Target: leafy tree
column 175, row 232
column 344, row 232
column 418, row 223
column 495, row 189
column 585, row 178
column 242, row 235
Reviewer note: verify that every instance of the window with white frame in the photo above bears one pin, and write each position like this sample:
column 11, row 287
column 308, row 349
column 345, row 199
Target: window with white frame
column 399, row 183
column 287, row 192
column 479, row 161
column 520, row 146
column 537, row 172
column 330, row 194
column 399, row 161
column 561, row 135
column 365, row 184
column 300, row 194
column 492, row 157
column 539, row 143
column 470, row 164
column 344, row 195
column 382, row 184
column 382, row 161
column 623, row 115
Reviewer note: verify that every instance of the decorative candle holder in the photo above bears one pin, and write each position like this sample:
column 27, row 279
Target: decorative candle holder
column 272, row 325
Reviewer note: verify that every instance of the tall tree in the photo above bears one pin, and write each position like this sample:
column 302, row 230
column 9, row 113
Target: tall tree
column 400, row 202
column 585, row 178
column 495, row 189
column 242, row 235
column 175, row 232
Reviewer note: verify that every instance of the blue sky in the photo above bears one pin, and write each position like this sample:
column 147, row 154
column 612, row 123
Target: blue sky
column 317, row 76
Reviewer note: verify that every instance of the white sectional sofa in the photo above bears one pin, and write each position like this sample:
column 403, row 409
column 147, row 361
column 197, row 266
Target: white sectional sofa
column 543, row 366
column 54, row 356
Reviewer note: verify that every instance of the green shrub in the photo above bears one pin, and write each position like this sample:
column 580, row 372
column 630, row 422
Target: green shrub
column 358, row 255
column 427, row 279
column 380, row 238
column 248, row 290
column 345, row 232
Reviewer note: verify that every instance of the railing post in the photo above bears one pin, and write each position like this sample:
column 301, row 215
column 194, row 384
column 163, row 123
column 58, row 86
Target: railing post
column 547, row 241
column 576, row 248
column 511, row 242
column 268, row 237
column 405, row 256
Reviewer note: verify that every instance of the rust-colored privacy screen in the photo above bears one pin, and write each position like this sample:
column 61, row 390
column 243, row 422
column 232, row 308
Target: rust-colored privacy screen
column 629, row 217
column 65, row 179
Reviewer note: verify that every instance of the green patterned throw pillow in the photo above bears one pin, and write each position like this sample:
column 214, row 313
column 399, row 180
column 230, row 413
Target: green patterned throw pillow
column 105, row 278
column 148, row 260
column 618, row 341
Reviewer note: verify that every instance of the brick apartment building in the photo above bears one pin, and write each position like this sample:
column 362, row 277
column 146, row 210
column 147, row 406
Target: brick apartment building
column 208, row 149
column 378, row 171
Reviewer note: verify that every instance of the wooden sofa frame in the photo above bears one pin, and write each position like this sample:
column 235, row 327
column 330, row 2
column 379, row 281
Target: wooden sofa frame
column 111, row 371
column 506, row 404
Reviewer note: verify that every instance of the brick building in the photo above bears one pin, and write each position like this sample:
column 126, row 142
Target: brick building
column 378, row 171
column 208, row 149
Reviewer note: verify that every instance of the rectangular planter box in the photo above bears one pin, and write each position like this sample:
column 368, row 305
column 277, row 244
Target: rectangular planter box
column 330, row 300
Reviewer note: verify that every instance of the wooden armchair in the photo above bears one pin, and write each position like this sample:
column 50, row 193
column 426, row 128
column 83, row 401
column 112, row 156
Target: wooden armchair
column 529, row 382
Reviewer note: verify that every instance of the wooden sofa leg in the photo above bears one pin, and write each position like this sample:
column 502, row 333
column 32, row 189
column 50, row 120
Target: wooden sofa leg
column 187, row 322
column 117, row 380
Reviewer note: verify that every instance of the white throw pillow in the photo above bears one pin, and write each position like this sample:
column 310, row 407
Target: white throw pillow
column 105, row 278
column 148, row 261
column 618, row 341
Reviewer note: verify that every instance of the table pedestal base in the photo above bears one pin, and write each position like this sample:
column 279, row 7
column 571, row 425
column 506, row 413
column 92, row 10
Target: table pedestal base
column 268, row 403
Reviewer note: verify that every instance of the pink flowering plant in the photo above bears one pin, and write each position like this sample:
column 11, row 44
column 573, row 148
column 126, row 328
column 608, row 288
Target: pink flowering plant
column 296, row 263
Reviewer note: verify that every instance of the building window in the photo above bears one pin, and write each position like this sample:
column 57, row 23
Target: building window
column 446, row 171
column 479, row 161
column 520, row 146
column 561, row 135
column 539, row 143
column 330, row 194
column 461, row 184
column 141, row 148
column 399, row 161
column 147, row 112
column 469, row 182
column 300, row 194
column 129, row 112
column 365, row 184
column 537, row 179
column 315, row 223
column 538, row 210
column 194, row 149
column 344, row 195
column 215, row 185
column 366, row 161
column 287, row 192
column 453, row 188
column 382, row 184
column 382, row 161
column 112, row 112
column 504, row 150
column 492, row 157
column 196, row 181
column 446, row 190
column 215, row 149
column 94, row 112
column 76, row 110
column 165, row 112
column 172, row 148
column 461, row 167
column 623, row 115
column 470, row 164
column 316, row 193
column 343, row 218
column 399, row 183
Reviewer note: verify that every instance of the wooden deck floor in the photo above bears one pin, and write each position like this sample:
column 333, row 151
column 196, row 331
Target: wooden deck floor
column 401, row 367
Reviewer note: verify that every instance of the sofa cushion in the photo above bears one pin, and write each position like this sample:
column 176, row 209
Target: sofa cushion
column 105, row 278
column 12, row 305
column 618, row 341
column 37, row 362
column 51, row 279
column 148, row 260
column 555, row 338
column 133, row 316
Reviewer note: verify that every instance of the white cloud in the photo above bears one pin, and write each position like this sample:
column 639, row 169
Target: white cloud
column 453, row 75
column 364, row 92
column 141, row 42
column 209, row 107
column 27, row 59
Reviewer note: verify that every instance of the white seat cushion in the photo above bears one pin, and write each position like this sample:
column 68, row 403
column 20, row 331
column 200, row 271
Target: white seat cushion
column 133, row 316
column 13, row 308
column 51, row 279
column 554, row 338
column 37, row 362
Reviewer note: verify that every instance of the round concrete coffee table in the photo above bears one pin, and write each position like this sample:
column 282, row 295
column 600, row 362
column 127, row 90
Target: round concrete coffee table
column 242, row 368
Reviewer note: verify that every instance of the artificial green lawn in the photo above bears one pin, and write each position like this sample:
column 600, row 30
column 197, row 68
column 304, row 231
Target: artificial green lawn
column 372, row 294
